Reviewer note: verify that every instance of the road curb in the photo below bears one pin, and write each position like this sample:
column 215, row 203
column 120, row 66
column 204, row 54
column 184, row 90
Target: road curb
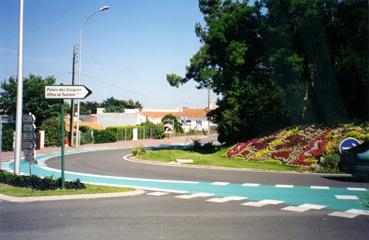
column 130, row 157
column 8, row 198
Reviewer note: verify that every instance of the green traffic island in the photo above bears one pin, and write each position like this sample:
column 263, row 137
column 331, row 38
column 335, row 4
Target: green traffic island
column 215, row 158
column 34, row 186
column 299, row 149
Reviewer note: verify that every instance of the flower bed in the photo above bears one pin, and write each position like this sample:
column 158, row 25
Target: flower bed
column 289, row 146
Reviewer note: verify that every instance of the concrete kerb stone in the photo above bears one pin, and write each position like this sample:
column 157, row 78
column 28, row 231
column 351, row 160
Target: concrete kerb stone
column 70, row 197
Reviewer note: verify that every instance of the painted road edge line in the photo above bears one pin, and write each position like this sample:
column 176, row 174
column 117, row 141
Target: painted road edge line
column 283, row 186
column 346, row 197
column 356, row 189
column 220, row 183
column 320, row 187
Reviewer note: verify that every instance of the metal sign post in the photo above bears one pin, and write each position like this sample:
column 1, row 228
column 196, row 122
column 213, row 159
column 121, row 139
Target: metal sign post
column 29, row 139
column 65, row 92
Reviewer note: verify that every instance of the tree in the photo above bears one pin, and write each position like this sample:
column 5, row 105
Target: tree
column 115, row 105
column 89, row 107
column 33, row 98
column 281, row 62
column 231, row 63
column 171, row 119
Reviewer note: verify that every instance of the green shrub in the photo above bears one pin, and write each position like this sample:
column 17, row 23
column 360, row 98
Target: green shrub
column 104, row 136
column 38, row 183
column 7, row 137
column 330, row 163
column 86, row 135
column 137, row 151
column 52, row 131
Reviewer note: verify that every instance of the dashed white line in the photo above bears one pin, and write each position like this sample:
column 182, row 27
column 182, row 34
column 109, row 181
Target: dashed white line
column 312, row 206
column 283, row 186
column 262, row 203
column 343, row 214
column 251, row 185
column 226, row 199
column 320, row 187
column 295, row 209
column 157, row 193
column 220, row 183
column 195, row 195
column 358, row 211
column 356, row 189
column 346, row 197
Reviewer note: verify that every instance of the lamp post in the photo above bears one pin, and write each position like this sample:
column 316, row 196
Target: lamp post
column 103, row 8
column 19, row 111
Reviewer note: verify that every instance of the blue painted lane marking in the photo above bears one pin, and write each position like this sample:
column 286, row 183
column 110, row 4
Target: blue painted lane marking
column 298, row 195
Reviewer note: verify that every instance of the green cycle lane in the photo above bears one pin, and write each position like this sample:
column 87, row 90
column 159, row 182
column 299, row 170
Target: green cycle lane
column 341, row 199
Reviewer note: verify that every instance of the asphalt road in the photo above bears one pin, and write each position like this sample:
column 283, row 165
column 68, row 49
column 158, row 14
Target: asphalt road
column 111, row 163
column 148, row 217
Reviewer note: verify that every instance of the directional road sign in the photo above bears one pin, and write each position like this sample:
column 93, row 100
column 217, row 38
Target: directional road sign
column 29, row 118
column 29, row 128
column 29, row 155
column 348, row 143
column 67, row 92
column 7, row 118
column 29, row 137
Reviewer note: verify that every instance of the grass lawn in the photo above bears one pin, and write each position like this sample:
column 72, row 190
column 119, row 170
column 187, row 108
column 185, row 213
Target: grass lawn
column 215, row 158
column 28, row 192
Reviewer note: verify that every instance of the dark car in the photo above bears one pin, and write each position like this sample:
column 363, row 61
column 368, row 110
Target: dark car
column 356, row 161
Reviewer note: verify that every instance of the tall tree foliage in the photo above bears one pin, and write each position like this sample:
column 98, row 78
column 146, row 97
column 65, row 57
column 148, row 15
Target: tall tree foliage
column 33, row 98
column 281, row 62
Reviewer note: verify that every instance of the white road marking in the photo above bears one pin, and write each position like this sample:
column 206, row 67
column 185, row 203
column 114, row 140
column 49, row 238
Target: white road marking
column 295, row 209
column 346, row 197
column 251, row 184
column 262, row 203
column 195, row 195
column 220, row 183
column 320, row 187
column 283, row 186
column 358, row 211
column 157, row 193
column 312, row 206
column 226, row 199
column 343, row 214
column 356, row 189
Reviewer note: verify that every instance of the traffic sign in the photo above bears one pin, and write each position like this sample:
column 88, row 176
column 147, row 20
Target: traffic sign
column 29, row 128
column 348, row 143
column 29, row 118
column 28, row 137
column 29, row 145
column 67, row 92
column 7, row 118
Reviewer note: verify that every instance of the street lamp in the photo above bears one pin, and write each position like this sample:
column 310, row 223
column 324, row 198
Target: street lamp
column 103, row 8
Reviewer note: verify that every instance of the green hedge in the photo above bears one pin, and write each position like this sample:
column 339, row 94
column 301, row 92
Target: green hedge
column 35, row 182
column 7, row 137
column 52, row 132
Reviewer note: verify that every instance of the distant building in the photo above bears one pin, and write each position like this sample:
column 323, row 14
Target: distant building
column 119, row 119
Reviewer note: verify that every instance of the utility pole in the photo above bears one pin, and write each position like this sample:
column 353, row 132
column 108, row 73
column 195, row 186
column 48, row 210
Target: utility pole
column 208, row 110
column 71, row 123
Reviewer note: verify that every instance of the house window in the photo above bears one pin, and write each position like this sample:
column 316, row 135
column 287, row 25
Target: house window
column 198, row 123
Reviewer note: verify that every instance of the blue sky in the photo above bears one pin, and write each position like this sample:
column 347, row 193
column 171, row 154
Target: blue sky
column 127, row 50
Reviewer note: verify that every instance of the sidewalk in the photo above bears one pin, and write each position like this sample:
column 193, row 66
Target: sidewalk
column 6, row 156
